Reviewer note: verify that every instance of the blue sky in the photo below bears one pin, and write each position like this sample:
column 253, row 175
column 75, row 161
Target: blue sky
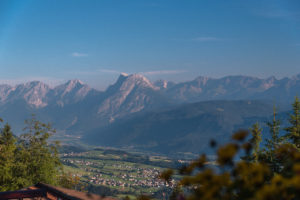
column 95, row 40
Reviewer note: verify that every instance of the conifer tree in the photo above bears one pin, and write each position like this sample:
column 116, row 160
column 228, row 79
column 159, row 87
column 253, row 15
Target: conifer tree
column 255, row 140
column 7, row 158
column 273, row 143
column 293, row 131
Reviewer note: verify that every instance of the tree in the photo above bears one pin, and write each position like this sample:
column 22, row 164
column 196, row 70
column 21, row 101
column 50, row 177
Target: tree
column 255, row 142
column 7, row 158
column 30, row 158
column 272, row 144
column 293, row 131
column 68, row 181
column 43, row 163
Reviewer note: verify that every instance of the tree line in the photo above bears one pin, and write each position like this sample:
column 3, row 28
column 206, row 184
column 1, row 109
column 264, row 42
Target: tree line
column 30, row 158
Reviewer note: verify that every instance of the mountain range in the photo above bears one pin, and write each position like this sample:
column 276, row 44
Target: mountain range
column 75, row 108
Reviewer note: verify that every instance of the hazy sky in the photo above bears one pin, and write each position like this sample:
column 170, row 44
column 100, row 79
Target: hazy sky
column 175, row 40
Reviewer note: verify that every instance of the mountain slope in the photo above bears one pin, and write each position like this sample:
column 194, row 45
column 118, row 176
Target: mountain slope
column 185, row 128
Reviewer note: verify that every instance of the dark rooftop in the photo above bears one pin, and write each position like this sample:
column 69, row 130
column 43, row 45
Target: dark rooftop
column 45, row 191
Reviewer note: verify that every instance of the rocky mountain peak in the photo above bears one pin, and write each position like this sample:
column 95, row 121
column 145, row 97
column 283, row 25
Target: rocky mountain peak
column 72, row 91
column 120, row 80
column 124, row 74
column 140, row 80
column 69, row 86
column 131, row 93
column 34, row 93
column 75, row 81
column 33, row 85
column 127, row 82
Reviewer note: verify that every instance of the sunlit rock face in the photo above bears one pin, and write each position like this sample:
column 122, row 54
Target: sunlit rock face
column 39, row 95
column 131, row 93
column 71, row 92
column 33, row 93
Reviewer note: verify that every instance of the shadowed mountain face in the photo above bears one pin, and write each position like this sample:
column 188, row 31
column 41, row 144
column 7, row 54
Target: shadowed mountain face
column 76, row 108
column 184, row 128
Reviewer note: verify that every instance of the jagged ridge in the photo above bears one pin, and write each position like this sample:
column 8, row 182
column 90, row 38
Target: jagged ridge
column 75, row 106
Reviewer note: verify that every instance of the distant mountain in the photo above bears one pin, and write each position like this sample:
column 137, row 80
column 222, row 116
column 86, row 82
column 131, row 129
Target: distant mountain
column 33, row 93
column 39, row 95
column 75, row 108
column 236, row 88
column 50, row 104
column 186, row 128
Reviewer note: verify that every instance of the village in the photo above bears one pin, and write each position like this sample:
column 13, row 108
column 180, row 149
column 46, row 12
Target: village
column 117, row 173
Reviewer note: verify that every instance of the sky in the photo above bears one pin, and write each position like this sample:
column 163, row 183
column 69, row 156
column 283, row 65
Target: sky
column 178, row 40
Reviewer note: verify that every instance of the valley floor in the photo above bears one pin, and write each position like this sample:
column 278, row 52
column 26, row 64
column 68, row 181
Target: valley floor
column 118, row 173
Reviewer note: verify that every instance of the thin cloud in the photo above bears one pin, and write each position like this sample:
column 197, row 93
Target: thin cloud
column 206, row 39
column 96, row 72
column 84, row 73
column 76, row 54
column 163, row 72
column 110, row 71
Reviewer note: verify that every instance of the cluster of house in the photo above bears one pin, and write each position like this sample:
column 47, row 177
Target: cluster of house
column 145, row 177
column 124, row 175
